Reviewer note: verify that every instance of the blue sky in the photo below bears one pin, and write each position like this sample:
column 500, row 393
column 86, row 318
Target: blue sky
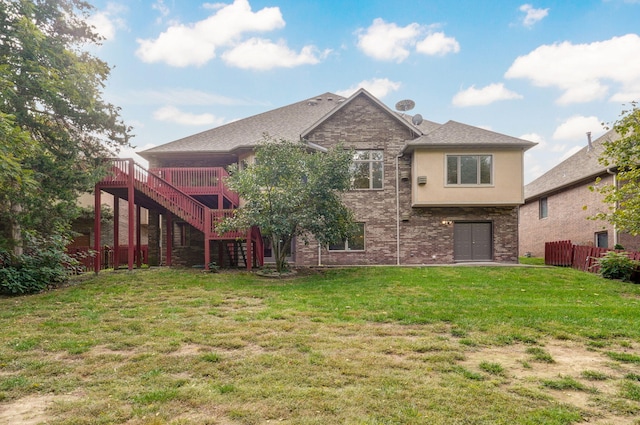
column 546, row 71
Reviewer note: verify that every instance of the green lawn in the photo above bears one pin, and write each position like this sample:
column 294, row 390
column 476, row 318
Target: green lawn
column 379, row 345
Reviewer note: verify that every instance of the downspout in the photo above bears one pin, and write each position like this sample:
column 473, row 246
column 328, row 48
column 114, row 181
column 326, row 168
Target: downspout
column 615, row 184
column 398, row 210
column 319, row 254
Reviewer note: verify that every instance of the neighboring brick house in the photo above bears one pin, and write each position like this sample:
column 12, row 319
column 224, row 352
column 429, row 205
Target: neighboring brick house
column 559, row 203
column 424, row 194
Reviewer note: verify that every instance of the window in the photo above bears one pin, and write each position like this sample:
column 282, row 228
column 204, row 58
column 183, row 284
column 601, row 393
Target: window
column 367, row 169
column 602, row 240
column 469, row 169
column 543, row 208
column 354, row 243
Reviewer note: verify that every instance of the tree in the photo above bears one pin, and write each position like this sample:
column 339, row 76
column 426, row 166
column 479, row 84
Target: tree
column 54, row 125
column 291, row 191
column 623, row 155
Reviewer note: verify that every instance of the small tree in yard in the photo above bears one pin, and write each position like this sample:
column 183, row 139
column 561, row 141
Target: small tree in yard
column 624, row 155
column 292, row 192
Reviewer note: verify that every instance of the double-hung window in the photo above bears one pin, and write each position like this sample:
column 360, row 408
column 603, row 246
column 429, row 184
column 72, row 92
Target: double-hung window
column 469, row 169
column 367, row 169
column 354, row 243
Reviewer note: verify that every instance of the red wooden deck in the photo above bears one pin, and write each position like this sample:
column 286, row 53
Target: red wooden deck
column 172, row 191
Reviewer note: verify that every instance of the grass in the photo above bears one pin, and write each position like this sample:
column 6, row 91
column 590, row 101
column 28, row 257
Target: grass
column 540, row 355
column 378, row 345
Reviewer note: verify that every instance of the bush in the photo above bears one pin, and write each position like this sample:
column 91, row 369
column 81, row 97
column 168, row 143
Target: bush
column 43, row 263
column 616, row 265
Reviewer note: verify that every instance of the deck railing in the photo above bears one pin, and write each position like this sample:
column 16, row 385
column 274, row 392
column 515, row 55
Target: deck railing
column 198, row 181
column 167, row 186
column 159, row 190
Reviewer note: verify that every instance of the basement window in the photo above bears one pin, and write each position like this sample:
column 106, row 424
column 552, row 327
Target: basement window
column 354, row 243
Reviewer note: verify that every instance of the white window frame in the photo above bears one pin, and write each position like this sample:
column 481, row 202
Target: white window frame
column 370, row 161
column 459, row 166
column 345, row 243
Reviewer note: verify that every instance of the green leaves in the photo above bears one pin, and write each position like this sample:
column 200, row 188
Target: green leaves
column 292, row 191
column 54, row 124
column 624, row 156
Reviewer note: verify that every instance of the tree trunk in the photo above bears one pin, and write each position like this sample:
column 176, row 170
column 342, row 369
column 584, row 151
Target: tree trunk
column 16, row 229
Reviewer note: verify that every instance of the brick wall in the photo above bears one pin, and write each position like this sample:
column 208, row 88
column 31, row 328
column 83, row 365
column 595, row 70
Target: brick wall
column 567, row 218
column 423, row 239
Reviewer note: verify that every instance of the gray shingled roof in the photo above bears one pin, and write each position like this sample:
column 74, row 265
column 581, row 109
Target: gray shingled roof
column 455, row 134
column 287, row 122
column 292, row 121
column 583, row 165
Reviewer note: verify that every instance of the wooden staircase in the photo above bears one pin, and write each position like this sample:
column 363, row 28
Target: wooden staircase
column 175, row 193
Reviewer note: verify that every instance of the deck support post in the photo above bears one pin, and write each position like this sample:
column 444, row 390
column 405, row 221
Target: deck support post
column 116, row 232
column 138, row 237
column 96, row 229
column 131, row 194
column 207, row 239
column 249, row 250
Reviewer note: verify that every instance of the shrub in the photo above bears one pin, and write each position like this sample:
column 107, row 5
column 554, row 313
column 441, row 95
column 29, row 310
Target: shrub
column 43, row 263
column 616, row 265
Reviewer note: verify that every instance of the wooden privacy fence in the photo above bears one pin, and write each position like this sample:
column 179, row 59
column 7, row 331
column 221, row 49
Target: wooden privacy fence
column 85, row 256
column 580, row 257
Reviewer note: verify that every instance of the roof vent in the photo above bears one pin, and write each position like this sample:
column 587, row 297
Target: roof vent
column 330, row 99
column 319, row 99
column 312, row 102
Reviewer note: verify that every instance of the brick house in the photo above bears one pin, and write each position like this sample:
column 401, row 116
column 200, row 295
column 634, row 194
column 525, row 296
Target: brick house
column 558, row 204
column 424, row 193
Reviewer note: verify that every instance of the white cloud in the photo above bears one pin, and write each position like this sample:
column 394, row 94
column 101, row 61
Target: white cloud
column 162, row 9
column 195, row 44
column 173, row 114
column 576, row 128
column 533, row 15
column 261, row 54
column 106, row 22
column 390, row 42
column 379, row 87
column 584, row 72
column 131, row 153
column 484, row 96
column 438, row 44
column 534, row 137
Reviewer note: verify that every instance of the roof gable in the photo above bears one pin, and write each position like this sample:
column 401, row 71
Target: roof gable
column 363, row 93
